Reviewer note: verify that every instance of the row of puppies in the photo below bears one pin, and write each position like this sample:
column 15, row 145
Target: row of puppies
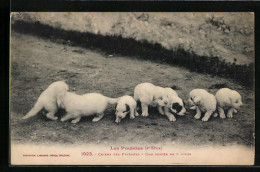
column 165, row 99
column 57, row 96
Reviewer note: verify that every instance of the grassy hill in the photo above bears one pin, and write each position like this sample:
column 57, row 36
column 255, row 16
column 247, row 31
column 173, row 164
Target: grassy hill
column 219, row 44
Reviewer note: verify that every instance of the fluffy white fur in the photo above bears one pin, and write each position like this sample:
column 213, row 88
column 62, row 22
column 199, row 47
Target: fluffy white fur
column 175, row 103
column 77, row 106
column 125, row 105
column 48, row 100
column 202, row 101
column 228, row 99
column 150, row 95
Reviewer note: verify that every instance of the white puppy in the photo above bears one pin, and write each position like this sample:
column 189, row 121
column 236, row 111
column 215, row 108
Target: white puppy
column 228, row 99
column 150, row 95
column 77, row 106
column 125, row 105
column 175, row 103
column 48, row 100
column 202, row 101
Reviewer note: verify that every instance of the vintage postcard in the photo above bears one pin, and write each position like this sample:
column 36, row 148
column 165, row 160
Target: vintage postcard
column 132, row 88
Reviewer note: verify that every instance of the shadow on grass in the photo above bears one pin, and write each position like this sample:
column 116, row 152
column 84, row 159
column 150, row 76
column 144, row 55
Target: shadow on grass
column 114, row 44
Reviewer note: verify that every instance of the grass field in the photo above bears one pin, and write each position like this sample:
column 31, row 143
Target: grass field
column 37, row 62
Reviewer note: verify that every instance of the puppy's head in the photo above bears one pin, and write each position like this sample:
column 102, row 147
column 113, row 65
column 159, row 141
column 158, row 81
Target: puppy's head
column 237, row 104
column 196, row 97
column 194, row 100
column 59, row 87
column 178, row 108
column 63, row 86
column 161, row 101
column 121, row 111
column 238, row 100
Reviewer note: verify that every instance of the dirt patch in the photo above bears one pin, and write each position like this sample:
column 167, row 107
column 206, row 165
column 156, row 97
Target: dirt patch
column 35, row 63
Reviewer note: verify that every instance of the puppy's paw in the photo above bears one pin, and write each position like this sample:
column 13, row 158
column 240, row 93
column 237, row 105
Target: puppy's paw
column 193, row 107
column 50, row 116
column 222, row 116
column 230, row 115
column 172, row 118
column 117, row 120
column 75, row 121
column 234, row 111
column 53, row 118
column 161, row 112
column 145, row 114
column 96, row 119
column 197, row 116
column 62, row 119
column 136, row 114
column 205, row 118
column 215, row 114
column 132, row 117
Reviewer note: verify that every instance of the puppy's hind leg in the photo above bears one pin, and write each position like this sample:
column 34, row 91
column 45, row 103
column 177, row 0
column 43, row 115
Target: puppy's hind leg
column 66, row 117
column 98, row 117
column 52, row 110
column 74, row 121
column 51, row 116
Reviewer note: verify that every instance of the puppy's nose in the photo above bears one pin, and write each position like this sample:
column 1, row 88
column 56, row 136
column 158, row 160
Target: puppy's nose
column 165, row 102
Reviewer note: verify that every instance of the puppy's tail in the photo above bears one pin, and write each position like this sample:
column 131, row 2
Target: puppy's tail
column 36, row 108
column 112, row 100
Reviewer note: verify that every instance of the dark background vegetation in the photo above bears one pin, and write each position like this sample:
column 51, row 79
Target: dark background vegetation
column 142, row 49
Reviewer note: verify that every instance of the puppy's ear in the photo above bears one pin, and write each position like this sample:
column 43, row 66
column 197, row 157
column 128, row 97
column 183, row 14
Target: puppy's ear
column 127, row 108
column 177, row 107
column 117, row 120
